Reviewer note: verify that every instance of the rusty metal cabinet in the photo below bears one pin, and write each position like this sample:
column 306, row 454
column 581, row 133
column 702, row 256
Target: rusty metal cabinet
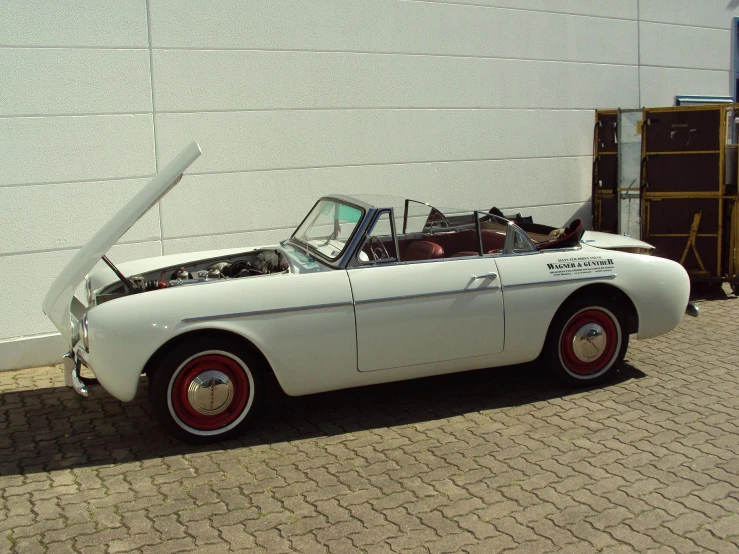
column 687, row 185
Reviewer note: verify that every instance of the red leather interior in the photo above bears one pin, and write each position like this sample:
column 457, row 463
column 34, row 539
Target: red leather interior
column 423, row 250
column 466, row 241
column 457, row 244
column 492, row 241
column 453, row 244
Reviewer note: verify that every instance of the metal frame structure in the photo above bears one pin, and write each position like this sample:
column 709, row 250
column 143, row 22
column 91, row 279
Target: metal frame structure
column 605, row 121
column 683, row 133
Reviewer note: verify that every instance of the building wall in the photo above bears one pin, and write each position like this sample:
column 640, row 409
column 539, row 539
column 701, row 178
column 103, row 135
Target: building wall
column 469, row 103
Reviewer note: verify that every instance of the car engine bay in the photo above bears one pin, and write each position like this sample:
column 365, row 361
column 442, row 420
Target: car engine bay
column 250, row 264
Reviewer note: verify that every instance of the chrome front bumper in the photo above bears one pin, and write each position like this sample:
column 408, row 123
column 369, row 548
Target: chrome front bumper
column 692, row 310
column 72, row 366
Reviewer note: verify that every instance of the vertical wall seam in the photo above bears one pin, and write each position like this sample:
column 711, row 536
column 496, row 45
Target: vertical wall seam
column 733, row 61
column 154, row 119
column 638, row 53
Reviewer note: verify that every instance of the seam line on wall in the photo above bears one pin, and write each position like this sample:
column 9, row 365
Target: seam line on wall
column 686, row 68
column 78, row 181
column 297, row 168
column 75, row 114
column 364, row 52
column 354, row 52
column 709, row 27
column 509, row 8
column 462, row 160
column 236, row 232
column 69, row 248
column 377, row 53
column 576, row 14
column 69, row 47
column 320, row 109
column 378, row 108
column 154, row 119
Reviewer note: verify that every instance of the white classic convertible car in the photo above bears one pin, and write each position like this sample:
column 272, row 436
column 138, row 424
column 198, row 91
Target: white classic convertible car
column 366, row 290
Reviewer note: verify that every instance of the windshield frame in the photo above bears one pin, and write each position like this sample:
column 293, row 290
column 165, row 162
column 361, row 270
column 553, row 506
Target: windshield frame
column 349, row 245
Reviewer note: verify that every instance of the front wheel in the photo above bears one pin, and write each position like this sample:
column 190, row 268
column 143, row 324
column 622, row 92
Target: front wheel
column 587, row 339
column 206, row 390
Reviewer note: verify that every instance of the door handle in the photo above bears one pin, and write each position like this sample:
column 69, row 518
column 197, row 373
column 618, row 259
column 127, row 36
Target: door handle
column 486, row 276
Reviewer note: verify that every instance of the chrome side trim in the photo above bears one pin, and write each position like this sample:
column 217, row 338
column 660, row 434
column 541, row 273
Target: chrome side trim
column 266, row 312
column 414, row 262
column 566, row 280
column 335, row 304
column 566, row 249
column 504, row 255
column 424, row 295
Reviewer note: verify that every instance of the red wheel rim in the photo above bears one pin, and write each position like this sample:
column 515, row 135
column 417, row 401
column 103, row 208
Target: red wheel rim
column 589, row 317
column 196, row 367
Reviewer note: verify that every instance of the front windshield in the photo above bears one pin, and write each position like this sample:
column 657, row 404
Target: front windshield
column 329, row 226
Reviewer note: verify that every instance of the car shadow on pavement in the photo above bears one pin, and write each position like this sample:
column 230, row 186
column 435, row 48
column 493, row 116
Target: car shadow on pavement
column 51, row 429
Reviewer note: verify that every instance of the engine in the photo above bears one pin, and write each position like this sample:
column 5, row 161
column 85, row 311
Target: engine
column 250, row 264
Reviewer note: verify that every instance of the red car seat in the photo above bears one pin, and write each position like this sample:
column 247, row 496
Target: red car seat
column 423, row 250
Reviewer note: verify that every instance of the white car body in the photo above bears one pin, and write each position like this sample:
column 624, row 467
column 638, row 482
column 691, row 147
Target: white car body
column 322, row 328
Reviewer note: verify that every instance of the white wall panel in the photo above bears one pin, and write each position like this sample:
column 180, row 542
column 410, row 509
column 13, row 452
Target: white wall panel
column 660, row 85
column 392, row 26
column 294, row 139
column 624, row 9
column 59, row 149
column 227, row 240
column 680, row 46
column 239, row 202
column 116, row 23
column 66, row 215
column 62, row 81
column 187, row 80
column 701, row 13
column 22, row 306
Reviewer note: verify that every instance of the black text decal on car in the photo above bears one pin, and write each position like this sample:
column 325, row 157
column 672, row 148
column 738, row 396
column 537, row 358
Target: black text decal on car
column 578, row 266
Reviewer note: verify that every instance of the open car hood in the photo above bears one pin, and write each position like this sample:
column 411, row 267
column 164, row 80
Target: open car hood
column 611, row 241
column 60, row 300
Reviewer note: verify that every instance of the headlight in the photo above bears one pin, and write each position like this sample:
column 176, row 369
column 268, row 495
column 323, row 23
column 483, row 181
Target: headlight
column 75, row 331
column 88, row 287
column 84, row 334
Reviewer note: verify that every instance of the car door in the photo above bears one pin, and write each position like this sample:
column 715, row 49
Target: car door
column 429, row 311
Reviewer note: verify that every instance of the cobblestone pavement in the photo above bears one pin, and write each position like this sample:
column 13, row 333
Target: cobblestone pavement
column 488, row 461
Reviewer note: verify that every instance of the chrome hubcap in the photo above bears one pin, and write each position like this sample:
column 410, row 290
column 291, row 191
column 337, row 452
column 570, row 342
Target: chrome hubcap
column 589, row 342
column 211, row 392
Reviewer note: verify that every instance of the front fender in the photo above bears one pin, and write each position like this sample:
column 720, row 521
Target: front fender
column 121, row 343
column 302, row 323
column 660, row 291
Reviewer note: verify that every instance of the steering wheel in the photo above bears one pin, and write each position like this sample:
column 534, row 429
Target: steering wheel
column 380, row 250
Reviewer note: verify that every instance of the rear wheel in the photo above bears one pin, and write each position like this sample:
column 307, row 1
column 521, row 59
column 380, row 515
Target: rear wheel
column 206, row 390
column 587, row 340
